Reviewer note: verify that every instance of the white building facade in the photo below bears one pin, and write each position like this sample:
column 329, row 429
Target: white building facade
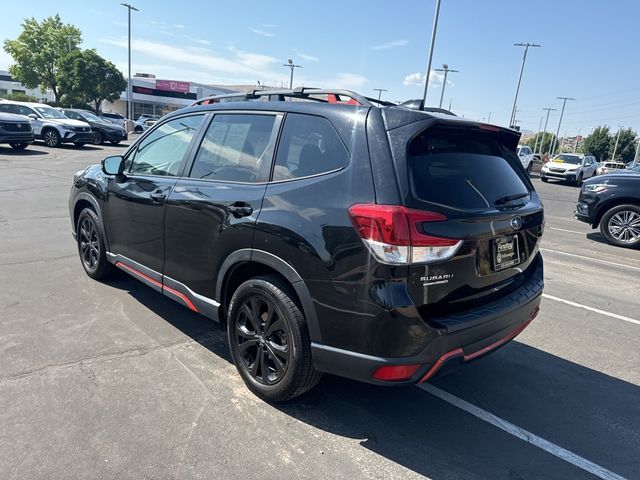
column 9, row 85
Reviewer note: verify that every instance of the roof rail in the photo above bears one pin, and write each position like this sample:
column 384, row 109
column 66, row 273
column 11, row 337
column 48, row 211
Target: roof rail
column 333, row 96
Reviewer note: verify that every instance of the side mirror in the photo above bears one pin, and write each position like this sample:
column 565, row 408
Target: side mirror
column 32, row 116
column 113, row 165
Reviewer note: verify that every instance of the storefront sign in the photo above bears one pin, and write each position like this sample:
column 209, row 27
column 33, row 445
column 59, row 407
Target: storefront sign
column 172, row 86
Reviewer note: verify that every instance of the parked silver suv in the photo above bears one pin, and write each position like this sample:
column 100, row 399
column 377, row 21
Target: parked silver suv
column 570, row 167
column 50, row 124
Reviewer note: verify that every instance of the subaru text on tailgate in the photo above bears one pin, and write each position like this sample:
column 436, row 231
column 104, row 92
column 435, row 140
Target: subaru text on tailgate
column 334, row 233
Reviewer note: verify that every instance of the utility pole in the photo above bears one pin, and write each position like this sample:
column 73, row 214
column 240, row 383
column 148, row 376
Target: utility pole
column 489, row 118
column 615, row 147
column 380, row 90
column 575, row 147
column 451, row 100
column 635, row 157
column 564, row 139
column 129, row 89
column 433, row 42
column 292, row 66
column 535, row 146
column 524, row 59
column 564, row 103
column 544, row 134
column 445, row 68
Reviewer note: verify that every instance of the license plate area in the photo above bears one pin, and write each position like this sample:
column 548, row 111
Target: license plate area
column 506, row 252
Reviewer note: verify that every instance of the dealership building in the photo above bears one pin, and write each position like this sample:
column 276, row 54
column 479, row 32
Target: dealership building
column 159, row 96
column 8, row 85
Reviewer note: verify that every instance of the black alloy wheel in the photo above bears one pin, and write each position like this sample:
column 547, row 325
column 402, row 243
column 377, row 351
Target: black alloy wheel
column 96, row 138
column 269, row 340
column 51, row 138
column 91, row 247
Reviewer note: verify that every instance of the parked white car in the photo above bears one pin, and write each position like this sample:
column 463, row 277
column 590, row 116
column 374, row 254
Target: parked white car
column 50, row 124
column 570, row 167
column 525, row 154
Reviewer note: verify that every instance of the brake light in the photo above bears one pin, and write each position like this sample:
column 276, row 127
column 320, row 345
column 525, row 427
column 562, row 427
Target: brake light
column 394, row 234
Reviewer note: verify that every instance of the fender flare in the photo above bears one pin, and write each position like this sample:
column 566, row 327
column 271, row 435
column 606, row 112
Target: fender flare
column 283, row 268
column 92, row 200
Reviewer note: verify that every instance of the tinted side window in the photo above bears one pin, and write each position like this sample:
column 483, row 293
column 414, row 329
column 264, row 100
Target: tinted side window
column 72, row 115
column 236, row 148
column 6, row 108
column 163, row 151
column 309, row 146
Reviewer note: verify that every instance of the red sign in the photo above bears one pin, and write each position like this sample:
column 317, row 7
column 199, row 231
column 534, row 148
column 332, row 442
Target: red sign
column 172, row 86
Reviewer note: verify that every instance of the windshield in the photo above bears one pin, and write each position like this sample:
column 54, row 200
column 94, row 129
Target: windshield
column 573, row 159
column 48, row 112
column 92, row 118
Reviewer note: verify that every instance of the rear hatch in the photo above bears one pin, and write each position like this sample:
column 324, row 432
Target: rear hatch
column 469, row 177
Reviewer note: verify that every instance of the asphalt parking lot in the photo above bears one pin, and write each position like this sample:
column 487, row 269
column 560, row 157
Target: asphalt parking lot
column 112, row 380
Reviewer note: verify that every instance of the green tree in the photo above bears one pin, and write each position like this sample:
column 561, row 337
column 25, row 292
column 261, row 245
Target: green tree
column 598, row 143
column 39, row 50
column 626, row 145
column 89, row 78
column 545, row 137
column 19, row 97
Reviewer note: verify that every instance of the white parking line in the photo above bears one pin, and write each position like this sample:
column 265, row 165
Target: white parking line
column 565, row 230
column 522, row 434
column 591, row 309
column 597, row 260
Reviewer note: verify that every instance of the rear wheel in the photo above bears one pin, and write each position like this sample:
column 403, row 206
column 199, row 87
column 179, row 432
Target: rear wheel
column 51, row 138
column 19, row 146
column 91, row 246
column 621, row 226
column 269, row 340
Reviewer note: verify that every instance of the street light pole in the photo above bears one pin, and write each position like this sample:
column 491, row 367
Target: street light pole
column 433, row 42
column 575, row 146
column 129, row 89
column 524, row 59
column 615, row 147
column 544, row 134
column 445, row 68
column 535, row 145
column 380, row 90
column 564, row 102
column 292, row 66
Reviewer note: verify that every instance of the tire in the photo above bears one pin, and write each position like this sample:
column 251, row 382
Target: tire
column 138, row 129
column 51, row 138
column 620, row 225
column 91, row 246
column 97, row 139
column 271, row 348
column 578, row 181
column 529, row 168
column 544, row 179
column 19, row 146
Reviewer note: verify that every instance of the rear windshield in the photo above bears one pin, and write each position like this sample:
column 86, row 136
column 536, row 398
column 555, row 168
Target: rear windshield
column 464, row 170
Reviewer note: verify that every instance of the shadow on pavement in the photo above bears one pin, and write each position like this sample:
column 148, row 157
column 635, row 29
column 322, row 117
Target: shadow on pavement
column 28, row 152
column 589, row 413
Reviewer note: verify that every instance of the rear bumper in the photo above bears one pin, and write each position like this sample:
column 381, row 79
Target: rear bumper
column 486, row 329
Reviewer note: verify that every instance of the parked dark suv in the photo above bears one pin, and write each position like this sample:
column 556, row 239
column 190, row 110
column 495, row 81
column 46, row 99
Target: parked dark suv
column 612, row 202
column 327, row 235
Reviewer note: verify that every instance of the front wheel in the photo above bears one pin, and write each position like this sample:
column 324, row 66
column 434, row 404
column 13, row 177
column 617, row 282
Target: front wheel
column 51, row 138
column 91, row 246
column 269, row 340
column 19, row 146
column 544, row 179
column 529, row 168
column 579, row 180
column 621, row 226
column 96, row 138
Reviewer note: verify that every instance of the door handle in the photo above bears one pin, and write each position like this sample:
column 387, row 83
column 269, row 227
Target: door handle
column 158, row 197
column 240, row 210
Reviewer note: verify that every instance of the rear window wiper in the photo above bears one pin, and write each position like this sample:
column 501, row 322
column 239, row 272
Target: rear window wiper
column 510, row 198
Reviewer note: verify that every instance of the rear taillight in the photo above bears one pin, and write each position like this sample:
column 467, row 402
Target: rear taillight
column 394, row 234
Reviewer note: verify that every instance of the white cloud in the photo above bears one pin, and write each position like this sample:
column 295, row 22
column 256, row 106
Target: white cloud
column 348, row 80
column 260, row 31
column 308, row 58
column 393, row 44
column 435, row 79
column 177, row 25
column 269, row 25
column 237, row 64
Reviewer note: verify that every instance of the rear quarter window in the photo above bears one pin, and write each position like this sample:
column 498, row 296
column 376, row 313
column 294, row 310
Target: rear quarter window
column 460, row 169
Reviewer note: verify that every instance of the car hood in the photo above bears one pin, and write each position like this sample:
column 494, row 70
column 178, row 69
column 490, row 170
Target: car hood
column 566, row 166
column 12, row 117
column 67, row 122
column 112, row 127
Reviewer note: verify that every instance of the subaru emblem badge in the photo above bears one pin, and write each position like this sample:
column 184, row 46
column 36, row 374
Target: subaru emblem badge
column 516, row 223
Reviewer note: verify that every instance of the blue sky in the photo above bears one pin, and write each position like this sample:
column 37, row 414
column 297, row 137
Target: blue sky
column 589, row 49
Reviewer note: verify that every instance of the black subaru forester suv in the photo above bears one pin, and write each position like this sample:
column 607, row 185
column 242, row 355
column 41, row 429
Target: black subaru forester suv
column 327, row 233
